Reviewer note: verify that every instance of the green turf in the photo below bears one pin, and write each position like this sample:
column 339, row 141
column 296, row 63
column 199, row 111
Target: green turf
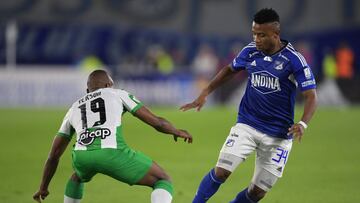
column 325, row 167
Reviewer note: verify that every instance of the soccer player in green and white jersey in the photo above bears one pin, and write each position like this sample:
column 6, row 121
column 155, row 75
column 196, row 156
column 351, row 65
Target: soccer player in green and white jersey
column 100, row 147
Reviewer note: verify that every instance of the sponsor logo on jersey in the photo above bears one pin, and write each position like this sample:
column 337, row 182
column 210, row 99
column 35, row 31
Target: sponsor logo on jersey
column 265, row 82
column 308, row 83
column 89, row 135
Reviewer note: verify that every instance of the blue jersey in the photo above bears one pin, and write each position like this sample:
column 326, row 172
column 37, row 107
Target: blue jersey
column 269, row 99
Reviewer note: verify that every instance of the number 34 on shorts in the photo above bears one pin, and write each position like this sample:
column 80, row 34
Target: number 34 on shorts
column 281, row 155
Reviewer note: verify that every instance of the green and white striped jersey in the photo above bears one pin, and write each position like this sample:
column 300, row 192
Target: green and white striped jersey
column 96, row 119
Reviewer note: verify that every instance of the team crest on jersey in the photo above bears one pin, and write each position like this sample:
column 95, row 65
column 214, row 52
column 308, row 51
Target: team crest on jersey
column 265, row 82
column 89, row 135
column 278, row 65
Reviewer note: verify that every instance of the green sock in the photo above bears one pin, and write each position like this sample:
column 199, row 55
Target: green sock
column 164, row 184
column 74, row 189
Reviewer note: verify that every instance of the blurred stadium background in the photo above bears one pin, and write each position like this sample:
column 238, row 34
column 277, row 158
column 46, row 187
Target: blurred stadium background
column 164, row 52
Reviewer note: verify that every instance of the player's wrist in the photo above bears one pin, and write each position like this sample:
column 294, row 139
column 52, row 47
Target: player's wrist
column 43, row 188
column 204, row 93
column 303, row 124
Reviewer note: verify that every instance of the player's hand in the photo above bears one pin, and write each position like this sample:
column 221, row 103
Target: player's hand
column 40, row 195
column 197, row 103
column 297, row 130
column 183, row 134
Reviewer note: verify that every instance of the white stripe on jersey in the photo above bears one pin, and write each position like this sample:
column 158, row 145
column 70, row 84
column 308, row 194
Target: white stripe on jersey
column 250, row 45
column 299, row 56
column 289, row 45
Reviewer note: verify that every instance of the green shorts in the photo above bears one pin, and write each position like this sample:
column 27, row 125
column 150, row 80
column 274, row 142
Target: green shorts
column 125, row 165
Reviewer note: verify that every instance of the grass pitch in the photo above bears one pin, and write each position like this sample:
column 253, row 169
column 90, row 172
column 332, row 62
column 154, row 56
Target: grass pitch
column 325, row 167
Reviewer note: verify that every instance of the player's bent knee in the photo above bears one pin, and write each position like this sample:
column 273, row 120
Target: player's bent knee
column 264, row 179
column 164, row 176
column 74, row 190
column 262, row 182
column 222, row 173
column 228, row 161
column 159, row 173
column 155, row 174
column 75, row 178
column 256, row 193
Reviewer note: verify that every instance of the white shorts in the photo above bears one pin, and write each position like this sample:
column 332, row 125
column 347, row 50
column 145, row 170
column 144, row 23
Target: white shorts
column 271, row 154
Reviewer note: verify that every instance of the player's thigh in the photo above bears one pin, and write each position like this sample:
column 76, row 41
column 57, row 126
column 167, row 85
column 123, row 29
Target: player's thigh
column 127, row 166
column 273, row 153
column 271, row 159
column 238, row 146
column 83, row 165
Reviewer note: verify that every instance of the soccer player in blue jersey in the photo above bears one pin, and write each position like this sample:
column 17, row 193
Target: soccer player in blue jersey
column 265, row 122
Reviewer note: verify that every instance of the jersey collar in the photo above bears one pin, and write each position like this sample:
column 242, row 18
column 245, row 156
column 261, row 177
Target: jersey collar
column 285, row 42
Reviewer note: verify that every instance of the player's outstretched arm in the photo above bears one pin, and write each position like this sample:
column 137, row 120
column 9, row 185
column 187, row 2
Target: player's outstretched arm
column 161, row 124
column 58, row 147
column 309, row 109
column 221, row 77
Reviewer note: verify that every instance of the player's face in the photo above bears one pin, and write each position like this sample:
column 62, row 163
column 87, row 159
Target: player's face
column 265, row 37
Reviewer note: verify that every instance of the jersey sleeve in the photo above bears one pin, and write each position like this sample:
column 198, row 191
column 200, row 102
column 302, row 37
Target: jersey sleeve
column 66, row 130
column 130, row 102
column 303, row 74
column 241, row 60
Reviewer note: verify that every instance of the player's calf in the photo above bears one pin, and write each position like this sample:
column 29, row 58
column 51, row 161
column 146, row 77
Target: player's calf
column 255, row 193
column 157, row 178
column 74, row 190
column 261, row 183
column 209, row 186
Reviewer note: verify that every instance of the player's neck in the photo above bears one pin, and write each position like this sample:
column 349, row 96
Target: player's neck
column 278, row 46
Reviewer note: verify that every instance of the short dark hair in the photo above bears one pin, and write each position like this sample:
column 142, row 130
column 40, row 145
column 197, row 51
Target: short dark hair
column 266, row 15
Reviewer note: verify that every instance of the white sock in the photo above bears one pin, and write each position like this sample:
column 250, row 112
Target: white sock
column 70, row 200
column 160, row 196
